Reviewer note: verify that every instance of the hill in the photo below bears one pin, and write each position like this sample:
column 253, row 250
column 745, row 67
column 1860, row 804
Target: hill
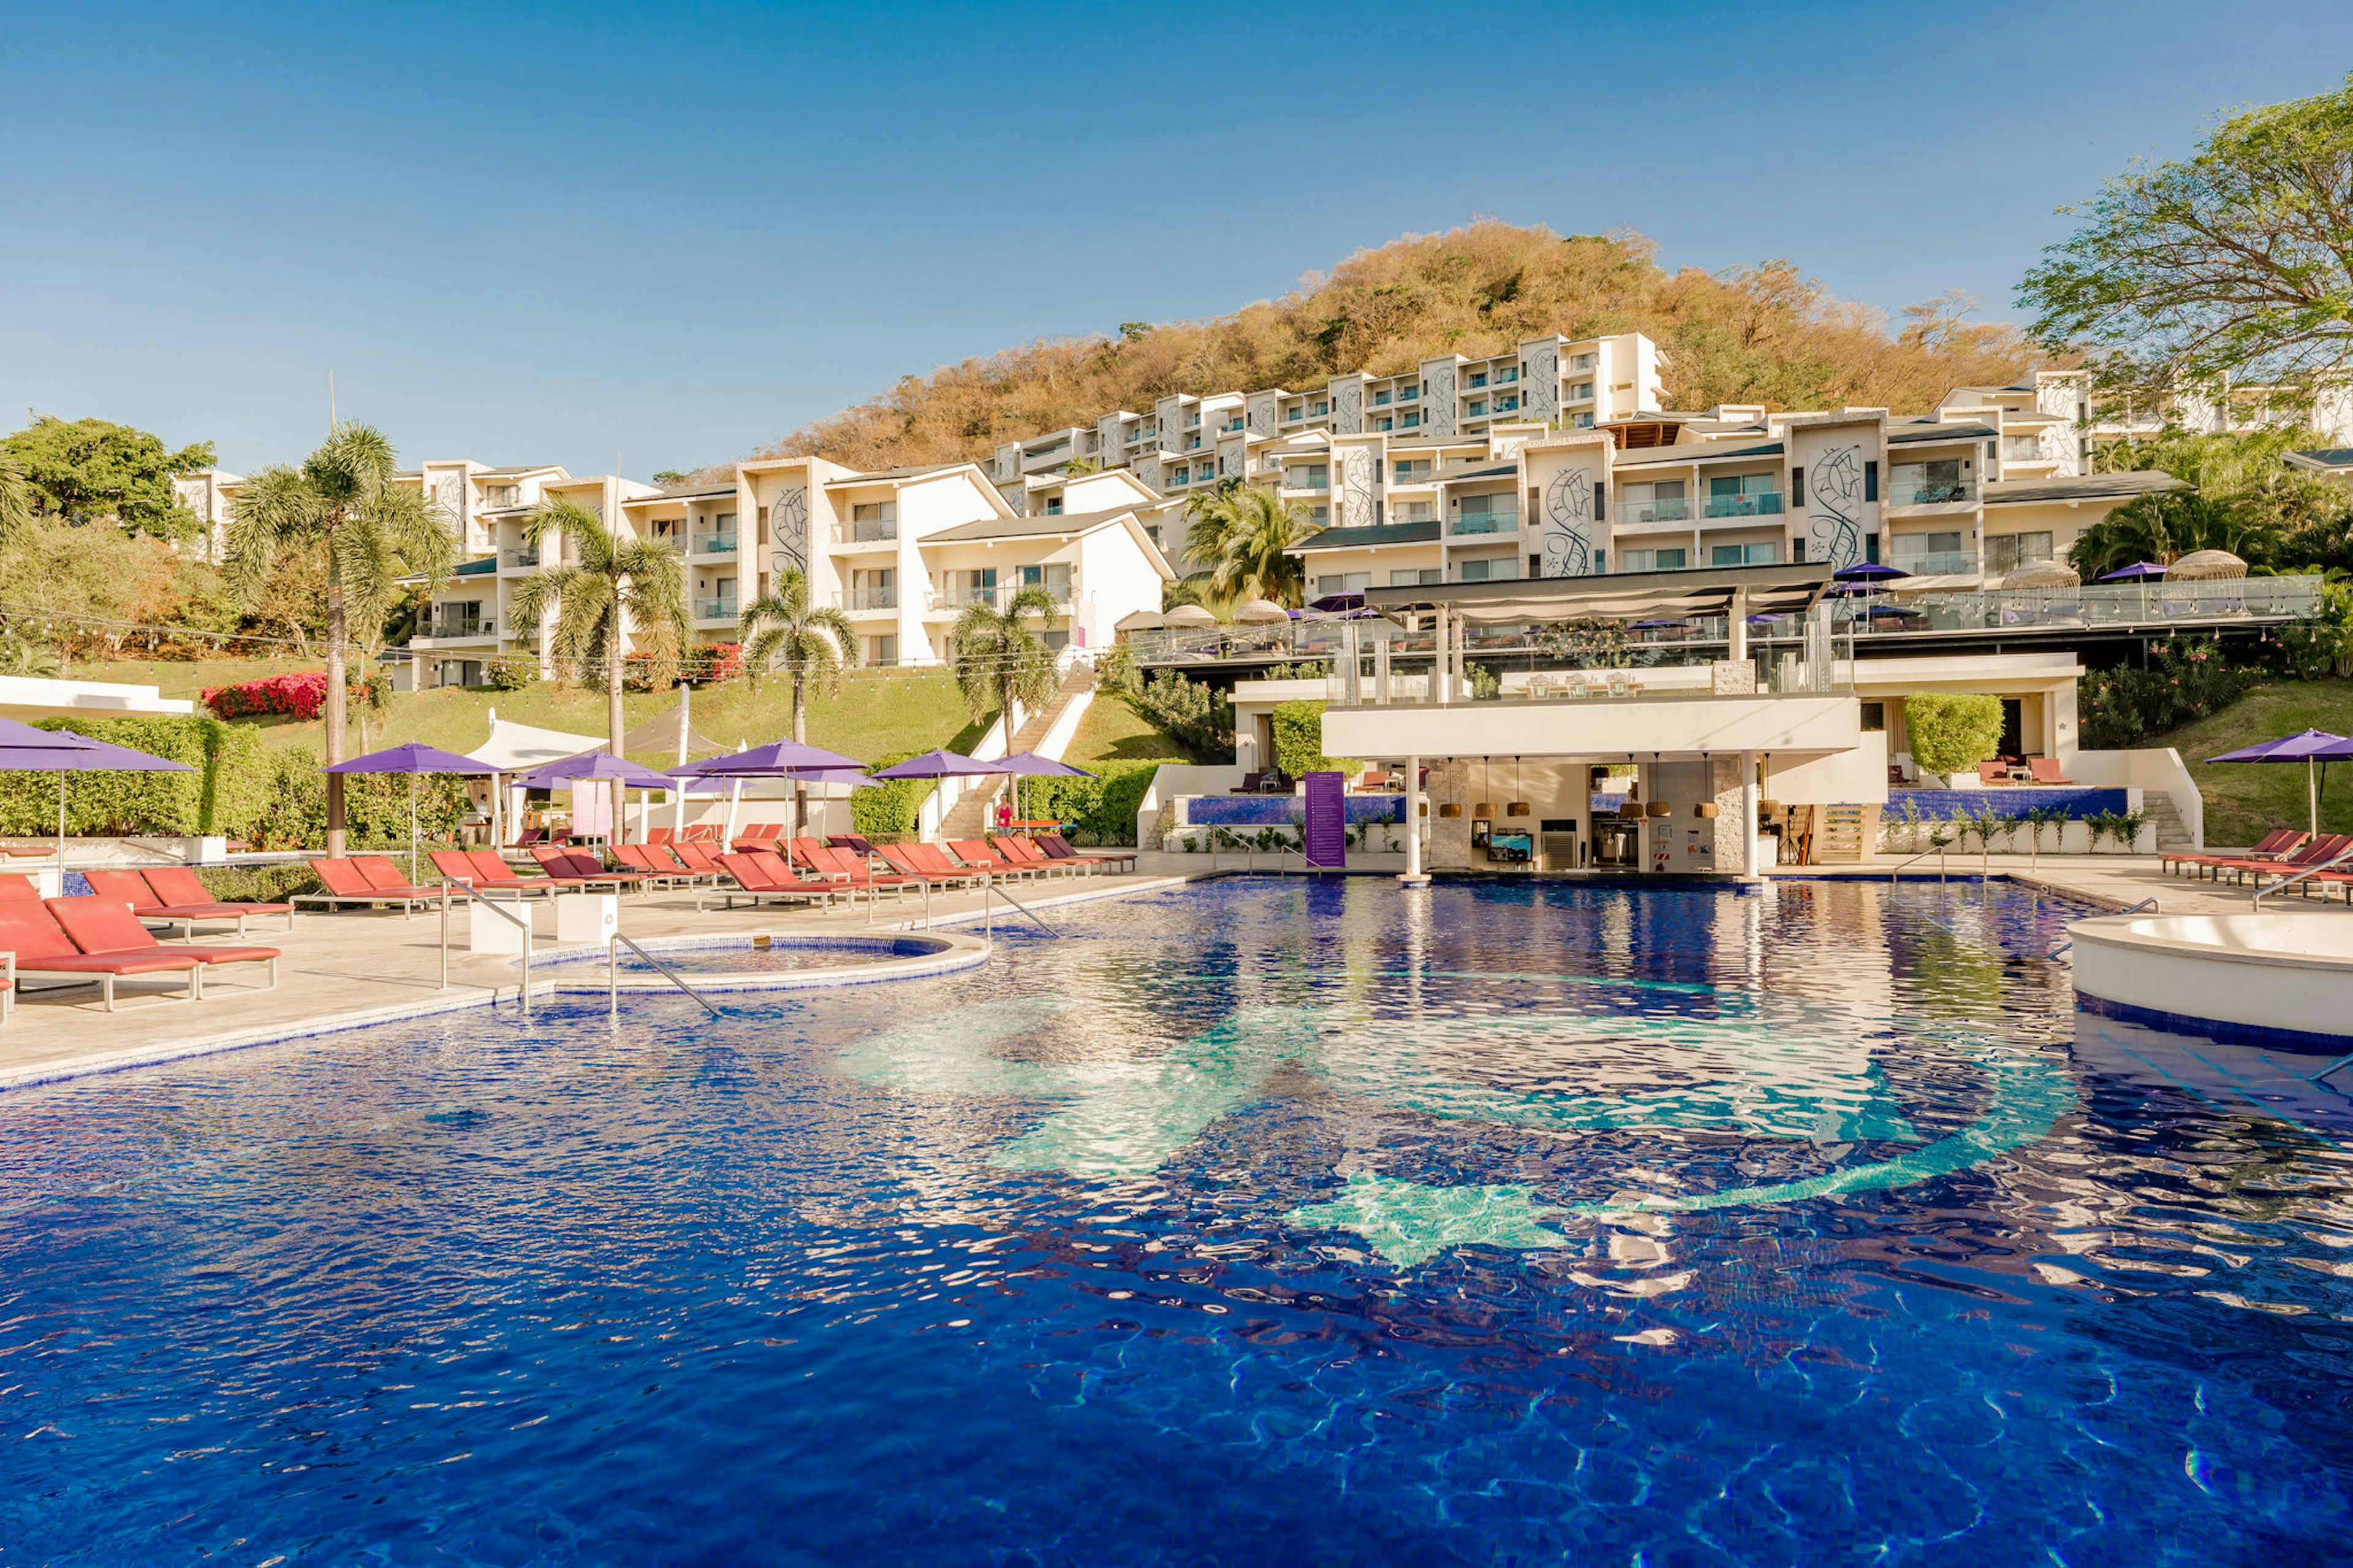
column 1756, row 335
column 2243, row 800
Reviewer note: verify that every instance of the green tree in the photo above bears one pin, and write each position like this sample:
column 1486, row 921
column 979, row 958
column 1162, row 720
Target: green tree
column 781, row 630
column 1952, row 731
column 16, row 497
column 999, row 661
column 671, row 478
column 1244, row 541
column 344, row 508
column 2164, row 527
column 614, row 589
column 88, row 471
column 2234, row 261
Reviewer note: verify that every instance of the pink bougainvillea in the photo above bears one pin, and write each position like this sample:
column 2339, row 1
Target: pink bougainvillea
column 298, row 696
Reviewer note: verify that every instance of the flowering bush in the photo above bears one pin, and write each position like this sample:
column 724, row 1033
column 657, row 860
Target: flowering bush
column 703, row 664
column 299, row 696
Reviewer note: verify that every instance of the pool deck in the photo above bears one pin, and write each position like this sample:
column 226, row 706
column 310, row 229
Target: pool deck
column 345, row 969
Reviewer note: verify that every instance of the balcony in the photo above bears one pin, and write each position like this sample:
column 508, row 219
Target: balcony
column 456, row 628
column 1504, row 519
column 958, row 595
column 1908, row 487
column 1757, row 503
column 1676, row 509
column 517, row 560
column 1318, row 484
column 715, row 610
column 1933, row 563
column 871, row 599
column 715, row 544
column 867, row 531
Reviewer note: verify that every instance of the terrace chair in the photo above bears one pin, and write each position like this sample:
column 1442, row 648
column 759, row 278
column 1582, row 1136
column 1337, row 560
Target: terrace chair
column 658, row 834
column 378, row 871
column 856, row 843
column 756, row 882
column 901, row 859
column 344, row 884
column 696, row 856
column 707, row 832
column 799, row 851
column 481, row 871
column 933, row 861
column 977, row 852
column 2279, row 841
column 102, row 928
column 1992, row 774
column 1016, row 850
column 174, row 895
column 635, row 858
column 526, row 837
column 2047, row 771
column 1057, row 846
column 665, row 857
column 29, row 929
column 758, row 835
column 2320, row 851
column 572, row 869
column 852, row 872
column 17, row 885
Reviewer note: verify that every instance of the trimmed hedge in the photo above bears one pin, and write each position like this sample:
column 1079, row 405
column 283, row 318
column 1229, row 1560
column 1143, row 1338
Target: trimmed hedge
column 889, row 810
column 375, row 805
column 223, row 795
column 1952, row 731
column 1103, row 807
column 1299, row 742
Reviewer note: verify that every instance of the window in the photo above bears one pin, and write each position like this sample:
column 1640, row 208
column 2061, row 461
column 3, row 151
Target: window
column 1478, row 407
column 1343, row 583
column 1581, row 362
column 1382, row 398
column 1579, row 391
column 1797, row 551
column 1409, row 419
column 1654, row 501
column 1503, row 571
column 1413, row 511
column 1506, row 375
column 1407, row 471
column 1054, row 576
column 1874, row 718
column 1764, row 554
column 1928, row 484
column 1797, row 487
column 1584, row 422
column 882, row 651
column 1657, row 560
column 2009, row 552
column 874, row 520
column 1506, row 404
column 1408, row 394
column 2021, row 448
column 1408, row 578
column 1871, row 479
column 1319, row 408
column 1476, row 379
column 1054, row 506
column 1309, row 476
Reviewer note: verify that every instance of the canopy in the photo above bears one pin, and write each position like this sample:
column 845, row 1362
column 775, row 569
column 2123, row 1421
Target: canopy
column 24, row 749
column 1137, row 621
column 596, row 767
column 777, row 760
column 513, row 747
column 664, row 733
column 2207, row 563
column 411, row 757
column 2310, row 748
column 2138, row 569
column 1260, row 611
column 1187, row 615
column 938, row 765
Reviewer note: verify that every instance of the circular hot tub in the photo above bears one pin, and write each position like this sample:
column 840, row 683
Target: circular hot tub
column 766, row 963
column 2282, row 979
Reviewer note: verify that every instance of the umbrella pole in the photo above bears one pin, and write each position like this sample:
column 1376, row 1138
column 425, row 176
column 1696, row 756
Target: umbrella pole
column 412, row 830
column 2311, row 793
column 61, row 833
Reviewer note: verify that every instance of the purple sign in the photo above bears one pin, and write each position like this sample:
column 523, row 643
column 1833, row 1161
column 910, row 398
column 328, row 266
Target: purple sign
column 1325, row 832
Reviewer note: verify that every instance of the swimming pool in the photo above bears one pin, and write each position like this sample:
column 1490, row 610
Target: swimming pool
column 1254, row 1221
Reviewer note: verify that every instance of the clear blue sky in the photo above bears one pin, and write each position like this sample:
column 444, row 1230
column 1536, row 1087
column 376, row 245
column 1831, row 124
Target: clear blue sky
column 664, row 235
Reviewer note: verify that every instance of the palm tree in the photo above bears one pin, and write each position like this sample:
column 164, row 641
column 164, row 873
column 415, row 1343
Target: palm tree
column 2164, row 528
column 1000, row 660
column 1243, row 539
column 783, row 630
column 15, row 498
column 618, row 587
column 343, row 506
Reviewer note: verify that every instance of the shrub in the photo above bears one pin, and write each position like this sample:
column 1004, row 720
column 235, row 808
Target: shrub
column 298, row 696
column 222, row 795
column 1299, row 742
column 1103, row 810
column 1952, row 731
column 511, row 673
column 1198, row 717
column 2193, row 678
column 258, row 884
column 890, row 810
column 375, row 805
column 712, row 661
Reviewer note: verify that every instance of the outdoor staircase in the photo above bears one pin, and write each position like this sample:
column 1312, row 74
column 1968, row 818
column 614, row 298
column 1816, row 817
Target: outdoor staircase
column 969, row 818
column 2172, row 833
column 1846, row 835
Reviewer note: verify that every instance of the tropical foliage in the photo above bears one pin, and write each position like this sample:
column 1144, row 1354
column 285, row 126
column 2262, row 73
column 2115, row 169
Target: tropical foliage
column 1952, row 731
column 1000, row 663
column 1196, row 716
column 344, row 508
column 784, row 629
column 2244, row 498
column 92, row 470
column 1759, row 334
column 603, row 590
column 2188, row 679
column 1241, row 537
column 2232, row 261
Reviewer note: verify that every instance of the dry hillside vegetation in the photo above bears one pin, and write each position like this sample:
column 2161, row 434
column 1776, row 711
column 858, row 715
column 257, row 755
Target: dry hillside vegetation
column 1763, row 334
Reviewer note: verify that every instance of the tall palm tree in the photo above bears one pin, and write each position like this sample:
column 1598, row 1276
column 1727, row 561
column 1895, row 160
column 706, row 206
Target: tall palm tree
column 781, row 630
column 998, row 659
column 1243, row 540
column 616, row 588
column 342, row 507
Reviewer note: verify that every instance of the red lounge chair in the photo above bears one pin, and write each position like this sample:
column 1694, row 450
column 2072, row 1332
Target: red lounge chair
column 1020, row 851
column 635, row 858
column 2046, row 770
column 1057, row 846
column 697, row 857
column 802, row 853
column 756, row 882
column 572, row 869
column 1992, row 774
column 2279, row 841
column 976, row 852
column 901, row 859
column 933, row 861
column 344, row 884
column 758, row 835
column 658, row 834
column 103, row 928
column 857, row 844
column 17, row 885
column 527, row 836
column 190, row 903
column 666, row 858
column 380, row 872
column 2320, row 851
column 2325, row 850
column 856, row 873
column 484, row 872
column 707, row 832
column 43, row 952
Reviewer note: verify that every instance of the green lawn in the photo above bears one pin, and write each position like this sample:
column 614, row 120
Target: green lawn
column 1109, row 730
column 876, row 712
column 2245, row 800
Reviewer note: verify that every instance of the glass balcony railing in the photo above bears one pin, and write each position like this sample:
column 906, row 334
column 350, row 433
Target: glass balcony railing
column 1755, row 503
column 715, row 544
column 1933, row 563
column 1676, row 509
column 1490, row 519
column 714, row 609
column 518, row 557
column 1911, row 489
column 873, row 599
column 1320, row 483
column 454, row 628
column 867, row 531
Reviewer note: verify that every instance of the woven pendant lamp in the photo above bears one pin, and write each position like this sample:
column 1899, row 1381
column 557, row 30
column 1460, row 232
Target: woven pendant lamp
column 1484, row 809
column 1519, row 783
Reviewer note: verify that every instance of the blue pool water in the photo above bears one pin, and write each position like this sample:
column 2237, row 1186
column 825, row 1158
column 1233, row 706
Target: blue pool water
column 786, row 957
column 1257, row 1222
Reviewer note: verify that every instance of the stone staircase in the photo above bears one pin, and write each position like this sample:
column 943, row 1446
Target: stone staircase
column 969, row 818
column 2172, row 833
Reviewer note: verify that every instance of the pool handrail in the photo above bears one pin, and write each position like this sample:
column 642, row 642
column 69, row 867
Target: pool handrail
column 2144, row 904
column 522, row 921
column 2256, row 900
column 613, row 975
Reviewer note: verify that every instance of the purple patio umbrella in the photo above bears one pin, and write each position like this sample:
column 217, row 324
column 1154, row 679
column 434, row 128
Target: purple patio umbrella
column 778, row 759
column 25, row 749
column 1030, row 764
column 1333, row 603
column 412, row 757
column 599, row 767
column 2139, row 569
column 938, row 765
column 2310, row 748
column 1867, row 572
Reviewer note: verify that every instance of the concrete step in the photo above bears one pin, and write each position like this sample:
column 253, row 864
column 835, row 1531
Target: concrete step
column 2172, row 833
column 969, row 818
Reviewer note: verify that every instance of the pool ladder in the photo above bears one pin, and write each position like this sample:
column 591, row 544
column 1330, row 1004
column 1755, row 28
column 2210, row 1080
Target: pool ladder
column 612, row 975
column 2144, row 904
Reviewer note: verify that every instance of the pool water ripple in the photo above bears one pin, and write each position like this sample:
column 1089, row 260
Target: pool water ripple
column 1040, row 1262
